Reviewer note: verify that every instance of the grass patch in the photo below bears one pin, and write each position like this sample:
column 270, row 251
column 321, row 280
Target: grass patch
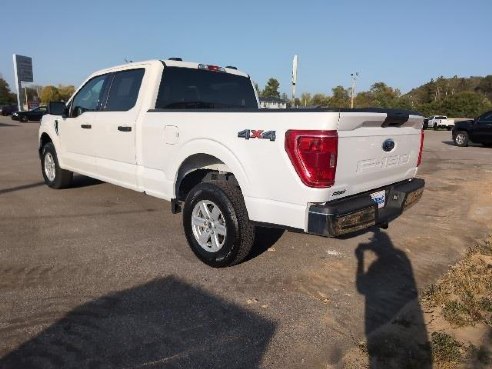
column 445, row 348
column 464, row 291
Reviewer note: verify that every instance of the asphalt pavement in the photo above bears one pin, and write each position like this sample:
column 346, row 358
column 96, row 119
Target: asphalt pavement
column 98, row 276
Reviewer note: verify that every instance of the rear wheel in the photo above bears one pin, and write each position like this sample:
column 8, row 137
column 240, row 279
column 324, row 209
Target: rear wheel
column 435, row 127
column 24, row 119
column 216, row 224
column 54, row 176
column 461, row 139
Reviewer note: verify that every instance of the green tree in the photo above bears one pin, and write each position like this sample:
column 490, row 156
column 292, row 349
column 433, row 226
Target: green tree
column 6, row 96
column 66, row 92
column 320, row 100
column 50, row 93
column 383, row 95
column 271, row 88
column 364, row 100
column 485, row 87
column 465, row 104
column 340, row 97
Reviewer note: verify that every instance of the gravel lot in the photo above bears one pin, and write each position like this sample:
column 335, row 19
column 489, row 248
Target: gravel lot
column 97, row 276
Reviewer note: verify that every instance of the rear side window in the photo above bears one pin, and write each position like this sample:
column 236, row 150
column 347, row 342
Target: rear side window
column 186, row 88
column 124, row 90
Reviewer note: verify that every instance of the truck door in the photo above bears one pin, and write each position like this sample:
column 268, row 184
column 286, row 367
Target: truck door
column 482, row 131
column 77, row 130
column 114, row 135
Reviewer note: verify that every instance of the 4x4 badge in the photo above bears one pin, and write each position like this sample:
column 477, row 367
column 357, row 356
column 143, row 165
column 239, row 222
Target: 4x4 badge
column 251, row 133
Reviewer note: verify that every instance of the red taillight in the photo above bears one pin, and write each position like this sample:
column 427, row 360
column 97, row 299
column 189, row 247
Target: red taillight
column 419, row 160
column 314, row 156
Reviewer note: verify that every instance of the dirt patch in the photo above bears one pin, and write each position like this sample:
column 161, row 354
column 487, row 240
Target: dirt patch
column 457, row 315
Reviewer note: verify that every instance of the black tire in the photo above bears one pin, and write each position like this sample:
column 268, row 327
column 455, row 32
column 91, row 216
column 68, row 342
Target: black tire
column 240, row 233
column 461, row 139
column 62, row 178
column 426, row 125
column 24, row 119
column 449, row 128
column 435, row 127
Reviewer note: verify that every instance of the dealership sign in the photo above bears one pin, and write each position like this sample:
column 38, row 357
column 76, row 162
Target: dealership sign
column 23, row 73
column 23, row 67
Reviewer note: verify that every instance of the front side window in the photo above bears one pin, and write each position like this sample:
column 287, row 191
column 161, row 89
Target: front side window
column 124, row 90
column 89, row 98
column 187, row 88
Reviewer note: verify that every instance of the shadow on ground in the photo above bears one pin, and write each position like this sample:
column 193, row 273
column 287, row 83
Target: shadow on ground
column 472, row 144
column 264, row 239
column 395, row 329
column 22, row 187
column 165, row 323
column 83, row 181
column 78, row 182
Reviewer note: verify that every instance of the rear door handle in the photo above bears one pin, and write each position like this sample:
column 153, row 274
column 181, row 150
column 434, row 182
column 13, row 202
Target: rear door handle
column 124, row 128
column 86, row 126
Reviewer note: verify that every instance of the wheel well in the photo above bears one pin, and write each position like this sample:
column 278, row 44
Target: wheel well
column 199, row 168
column 43, row 141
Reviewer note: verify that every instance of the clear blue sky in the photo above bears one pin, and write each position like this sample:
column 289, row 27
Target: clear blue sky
column 402, row 43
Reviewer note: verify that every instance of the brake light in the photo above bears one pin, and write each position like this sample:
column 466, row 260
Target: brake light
column 419, row 160
column 213, row 68
column 313, row 155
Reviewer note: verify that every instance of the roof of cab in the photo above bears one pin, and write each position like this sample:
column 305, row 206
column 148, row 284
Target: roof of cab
column 165, row 62
column 194, row 65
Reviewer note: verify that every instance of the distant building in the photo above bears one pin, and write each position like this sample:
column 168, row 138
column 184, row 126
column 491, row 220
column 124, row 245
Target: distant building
column 272, row 103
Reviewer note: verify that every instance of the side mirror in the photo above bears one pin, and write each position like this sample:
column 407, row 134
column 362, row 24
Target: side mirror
column 56, row 108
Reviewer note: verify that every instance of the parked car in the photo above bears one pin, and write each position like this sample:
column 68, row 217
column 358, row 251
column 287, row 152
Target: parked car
column 34, row 114
column 478, row 130
column 438, row 121
column 193, row 134
column 9, row 109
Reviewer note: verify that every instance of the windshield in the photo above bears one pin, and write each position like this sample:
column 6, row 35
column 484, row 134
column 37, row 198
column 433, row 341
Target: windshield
column 186, row 88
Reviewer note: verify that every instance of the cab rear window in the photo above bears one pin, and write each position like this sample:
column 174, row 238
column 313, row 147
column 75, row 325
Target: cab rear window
column 186, row 88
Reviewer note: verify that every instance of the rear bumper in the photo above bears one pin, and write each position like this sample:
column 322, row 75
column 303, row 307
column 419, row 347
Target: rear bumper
column 358, row 212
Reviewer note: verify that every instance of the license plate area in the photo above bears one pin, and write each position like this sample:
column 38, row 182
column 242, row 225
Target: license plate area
column 379, row 198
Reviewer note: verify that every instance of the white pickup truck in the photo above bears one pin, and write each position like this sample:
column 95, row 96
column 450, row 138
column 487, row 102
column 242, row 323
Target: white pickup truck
column 193, row 134
column 439, row 121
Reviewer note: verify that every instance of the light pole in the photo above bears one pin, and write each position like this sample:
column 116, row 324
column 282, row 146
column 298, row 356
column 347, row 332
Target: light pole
column 354, row 83
column 294, row 79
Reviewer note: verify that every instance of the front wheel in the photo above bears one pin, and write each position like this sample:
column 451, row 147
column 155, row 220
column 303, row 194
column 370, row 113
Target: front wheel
column 54, row 176
column 461, row 139
column 216, row 224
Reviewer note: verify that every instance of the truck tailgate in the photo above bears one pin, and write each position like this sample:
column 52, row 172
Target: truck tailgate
column 375, row 150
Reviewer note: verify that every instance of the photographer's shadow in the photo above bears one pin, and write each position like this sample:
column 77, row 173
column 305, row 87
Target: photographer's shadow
column 394, row 323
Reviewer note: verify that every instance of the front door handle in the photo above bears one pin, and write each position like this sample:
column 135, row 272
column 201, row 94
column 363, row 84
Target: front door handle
column 124, row 128
column 86, row 126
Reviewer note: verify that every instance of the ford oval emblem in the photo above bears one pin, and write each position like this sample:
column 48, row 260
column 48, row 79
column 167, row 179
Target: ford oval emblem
column 388, row 145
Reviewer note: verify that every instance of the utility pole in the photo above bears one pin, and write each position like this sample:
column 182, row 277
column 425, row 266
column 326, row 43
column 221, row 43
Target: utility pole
column 294, row 79
column 354, row 83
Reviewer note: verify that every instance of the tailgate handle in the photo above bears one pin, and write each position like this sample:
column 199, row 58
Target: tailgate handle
column 124, row 129
column 395, row 119
column 86, row 126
